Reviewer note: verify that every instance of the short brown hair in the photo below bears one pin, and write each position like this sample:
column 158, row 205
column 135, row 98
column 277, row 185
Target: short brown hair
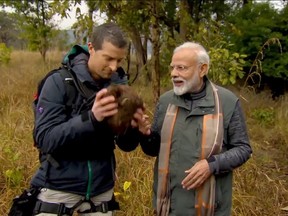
column 109, row 32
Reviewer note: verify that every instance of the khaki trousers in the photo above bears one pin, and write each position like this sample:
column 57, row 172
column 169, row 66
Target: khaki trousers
column 69, row 199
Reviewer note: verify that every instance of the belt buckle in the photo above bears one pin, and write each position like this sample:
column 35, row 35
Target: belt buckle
column 61, row 208
column 37, row 207
column 104, row 207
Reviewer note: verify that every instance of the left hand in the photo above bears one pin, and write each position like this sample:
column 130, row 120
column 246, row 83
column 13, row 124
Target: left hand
column 197, row 175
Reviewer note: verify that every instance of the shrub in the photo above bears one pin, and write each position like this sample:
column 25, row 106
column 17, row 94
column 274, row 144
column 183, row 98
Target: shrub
column 264, row 116
column 5, row 53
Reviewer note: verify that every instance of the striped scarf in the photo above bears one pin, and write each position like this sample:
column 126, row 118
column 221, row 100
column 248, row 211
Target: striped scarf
column 212, row 139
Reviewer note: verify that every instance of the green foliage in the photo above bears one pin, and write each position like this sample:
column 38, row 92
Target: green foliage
column 82, row 28
column 5, row 53
column 14, row 174
column 225, row 66
column 252, row 33
column 254, row 25
column 264, row 116
column 34, row 18
column 256, row 69
column 13, row 177
column 62, row 7
column 38, row 41
column 8, row 31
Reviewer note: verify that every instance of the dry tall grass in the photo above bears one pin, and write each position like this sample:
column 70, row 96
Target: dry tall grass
column 260, row 186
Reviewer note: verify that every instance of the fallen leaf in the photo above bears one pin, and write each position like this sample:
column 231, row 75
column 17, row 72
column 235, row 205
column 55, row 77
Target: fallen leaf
column 126, row 185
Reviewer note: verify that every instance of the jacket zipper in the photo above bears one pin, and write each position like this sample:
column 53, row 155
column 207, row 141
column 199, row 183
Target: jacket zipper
column 89, row 181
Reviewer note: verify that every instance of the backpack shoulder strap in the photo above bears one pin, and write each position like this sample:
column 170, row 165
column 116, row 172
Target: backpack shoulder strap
column 81, row 87
column 70, row 90
column 73, row 86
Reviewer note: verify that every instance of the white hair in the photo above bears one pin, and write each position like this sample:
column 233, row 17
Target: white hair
column 197, row 48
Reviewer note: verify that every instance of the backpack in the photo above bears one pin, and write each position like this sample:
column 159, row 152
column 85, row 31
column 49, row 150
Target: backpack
column 73, row 87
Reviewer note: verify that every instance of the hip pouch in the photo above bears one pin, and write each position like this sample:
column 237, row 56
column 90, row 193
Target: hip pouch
column 23, row 205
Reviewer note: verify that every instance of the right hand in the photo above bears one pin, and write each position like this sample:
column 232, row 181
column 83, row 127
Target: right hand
column 104, row 106
column 141, row 121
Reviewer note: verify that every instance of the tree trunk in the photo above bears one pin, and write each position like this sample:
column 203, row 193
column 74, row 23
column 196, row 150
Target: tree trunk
column 184, row 7
column 155, row 37
column 141, row 53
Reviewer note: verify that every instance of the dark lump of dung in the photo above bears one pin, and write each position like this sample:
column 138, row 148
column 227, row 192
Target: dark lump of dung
column 128, row 102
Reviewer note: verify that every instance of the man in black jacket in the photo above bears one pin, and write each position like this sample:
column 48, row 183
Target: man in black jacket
column 77, row 171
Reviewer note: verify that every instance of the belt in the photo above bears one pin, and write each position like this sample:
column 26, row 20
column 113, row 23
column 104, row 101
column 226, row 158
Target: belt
column 104, row 207
column 60, row 208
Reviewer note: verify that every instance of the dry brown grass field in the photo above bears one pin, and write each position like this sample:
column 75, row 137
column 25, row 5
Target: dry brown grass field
column 260, row 186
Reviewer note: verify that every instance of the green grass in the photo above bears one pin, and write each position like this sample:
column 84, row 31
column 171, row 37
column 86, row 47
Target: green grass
column 260, row 186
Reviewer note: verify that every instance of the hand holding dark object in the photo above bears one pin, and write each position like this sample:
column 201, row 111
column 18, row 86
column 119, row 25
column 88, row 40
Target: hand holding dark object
column 141, row 121
column 128, row 103
column 104, row 105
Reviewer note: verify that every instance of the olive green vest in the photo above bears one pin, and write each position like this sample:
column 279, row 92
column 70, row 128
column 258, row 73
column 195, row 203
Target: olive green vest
column 186, row 147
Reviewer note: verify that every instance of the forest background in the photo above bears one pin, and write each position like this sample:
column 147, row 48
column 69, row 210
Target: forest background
column 247, row 42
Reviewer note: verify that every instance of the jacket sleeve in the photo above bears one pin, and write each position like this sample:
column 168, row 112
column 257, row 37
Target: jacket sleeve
column 237, row 150
column 151, row 144
column 128, row 141
column 54, row 128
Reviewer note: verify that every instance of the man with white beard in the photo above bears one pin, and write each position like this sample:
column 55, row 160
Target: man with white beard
column 199, row 137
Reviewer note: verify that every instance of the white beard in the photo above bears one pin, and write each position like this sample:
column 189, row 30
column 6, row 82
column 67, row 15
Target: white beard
column 189, row 86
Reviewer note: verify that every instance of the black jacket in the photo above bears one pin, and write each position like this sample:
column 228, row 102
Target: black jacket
column 76, row 151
